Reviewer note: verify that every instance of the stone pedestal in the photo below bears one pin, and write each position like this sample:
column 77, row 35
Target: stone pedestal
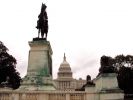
column 90, row 89
column 107, row 87
column 39, row 74
column 106, row 81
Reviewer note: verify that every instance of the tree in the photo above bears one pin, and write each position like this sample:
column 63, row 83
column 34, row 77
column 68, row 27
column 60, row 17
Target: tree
column 9, row 77
column 121, row 60
column 125, row 79
column 124, row 65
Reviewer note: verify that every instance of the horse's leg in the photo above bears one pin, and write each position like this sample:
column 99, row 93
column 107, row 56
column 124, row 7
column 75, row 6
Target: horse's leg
column 42, row 34
column 38, row 33
column 46, row 35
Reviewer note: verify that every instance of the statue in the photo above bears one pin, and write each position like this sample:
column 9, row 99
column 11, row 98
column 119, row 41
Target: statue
column 89, row 83
column 106, row 65
column 42, row 23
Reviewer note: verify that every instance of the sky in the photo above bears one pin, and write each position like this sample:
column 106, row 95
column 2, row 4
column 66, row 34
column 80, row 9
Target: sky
column 83, row 29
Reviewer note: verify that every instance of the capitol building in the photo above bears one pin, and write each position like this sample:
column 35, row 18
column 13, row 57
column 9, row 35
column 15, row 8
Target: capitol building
column 65, row 80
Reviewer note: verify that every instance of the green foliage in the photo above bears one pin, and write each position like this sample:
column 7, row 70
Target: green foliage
column 124, row 65
column 121, row 60
column 125, row 79
column 8, row 75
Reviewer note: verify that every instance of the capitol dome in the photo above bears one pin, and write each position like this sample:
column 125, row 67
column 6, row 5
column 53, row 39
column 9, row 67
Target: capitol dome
column 64, row 69
column 65, row 80
column 64, row 66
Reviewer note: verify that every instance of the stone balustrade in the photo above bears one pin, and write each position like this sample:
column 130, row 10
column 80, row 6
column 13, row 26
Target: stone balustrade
column 41, row 95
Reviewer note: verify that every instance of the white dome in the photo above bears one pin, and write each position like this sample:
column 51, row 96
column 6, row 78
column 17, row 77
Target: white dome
column 64, row 66
column 65, row 69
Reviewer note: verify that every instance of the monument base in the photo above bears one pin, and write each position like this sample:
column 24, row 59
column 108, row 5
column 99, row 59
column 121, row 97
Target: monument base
column 37, row 83
column 39, row 74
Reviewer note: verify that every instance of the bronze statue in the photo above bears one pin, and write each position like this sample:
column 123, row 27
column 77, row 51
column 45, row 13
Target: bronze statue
column 42, row 23
column 106, row 65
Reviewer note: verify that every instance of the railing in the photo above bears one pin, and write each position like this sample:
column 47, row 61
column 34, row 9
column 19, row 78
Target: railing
column 42, row 95
column 77, row 96
column 29, row 96
column 59, row 96
column 4, row 96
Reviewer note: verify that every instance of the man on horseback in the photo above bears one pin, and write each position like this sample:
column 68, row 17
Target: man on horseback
column 42, row 23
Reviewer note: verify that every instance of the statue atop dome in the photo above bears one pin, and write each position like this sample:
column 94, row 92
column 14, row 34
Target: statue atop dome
column 64, row 58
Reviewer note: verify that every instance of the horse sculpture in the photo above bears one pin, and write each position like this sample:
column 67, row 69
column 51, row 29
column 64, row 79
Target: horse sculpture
column 42, row 23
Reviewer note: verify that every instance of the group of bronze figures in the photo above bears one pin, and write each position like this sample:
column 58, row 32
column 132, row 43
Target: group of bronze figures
column 42, row 23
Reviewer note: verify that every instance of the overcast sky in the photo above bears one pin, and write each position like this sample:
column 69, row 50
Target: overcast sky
column 83, row 29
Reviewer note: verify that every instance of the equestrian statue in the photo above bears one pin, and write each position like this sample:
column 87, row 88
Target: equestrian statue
column 42, row 23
